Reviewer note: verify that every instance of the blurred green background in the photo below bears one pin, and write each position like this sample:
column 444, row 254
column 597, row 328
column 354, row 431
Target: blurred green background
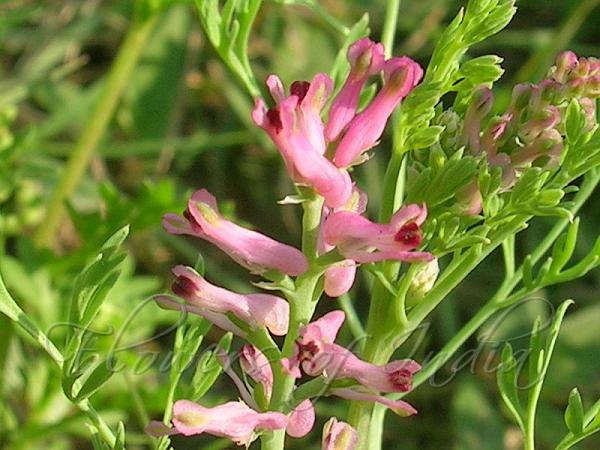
column 184, row 123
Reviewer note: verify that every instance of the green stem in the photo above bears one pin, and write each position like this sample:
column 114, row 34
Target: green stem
column 302, row 305
column 94, row 128
column 330, row 20
column 352, row 319
column 508, row 250
column 389, row 26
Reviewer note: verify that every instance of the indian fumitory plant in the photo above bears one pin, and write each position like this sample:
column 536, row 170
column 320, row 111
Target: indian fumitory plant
column 463, row 180
column 337, row 238
column 467, row 168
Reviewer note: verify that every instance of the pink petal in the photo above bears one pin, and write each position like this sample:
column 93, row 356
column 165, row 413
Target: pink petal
column 301, row 420
column 340, row 278
column 176, row 224
column 256, row 365
column 325, row 328
column 220, row 320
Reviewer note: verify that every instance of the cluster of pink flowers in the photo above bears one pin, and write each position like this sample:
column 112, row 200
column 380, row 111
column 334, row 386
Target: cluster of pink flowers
column 316, row 154
column 531, row 131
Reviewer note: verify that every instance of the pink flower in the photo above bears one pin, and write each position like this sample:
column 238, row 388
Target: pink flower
column 233, row 420
column 312, row 339
column 248, row 248
column 317, row 354
column 339, row 436
column 363, row 241
column 255, row 309
column 366, row 59
column 401, row 75
column 296, row 128
column 479, row 107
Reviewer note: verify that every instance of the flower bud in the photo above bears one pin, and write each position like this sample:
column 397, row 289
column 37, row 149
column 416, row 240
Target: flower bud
column 423, row 280
column 339, row 436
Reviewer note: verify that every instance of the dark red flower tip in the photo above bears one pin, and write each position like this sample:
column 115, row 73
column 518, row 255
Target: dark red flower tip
column 402, row 379
column 409, row 234
column 184, row 287
column 274, row 119
column 190, row 218
column 307, row 351
column 299, row 89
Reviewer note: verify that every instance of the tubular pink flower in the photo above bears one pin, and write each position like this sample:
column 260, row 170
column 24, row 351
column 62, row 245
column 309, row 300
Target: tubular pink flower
column 301, row 420
column 363, row 241
column 339, row 436
column 399, row 407
column 401, row 75
column 255, row 309
column 251, row 249
column 232, row 420
column 366, row 59
column 296, row 128
column 548, row 145
column 479, row 107
column 317, row 354
column 256, row 365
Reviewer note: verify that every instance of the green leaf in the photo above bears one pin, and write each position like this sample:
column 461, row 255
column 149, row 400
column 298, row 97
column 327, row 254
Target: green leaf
column 564, row 247
column 120, row 437
column 116, row 240
column 574, row 122
column 527, row 273
column 574, row 413
column 188, row 340
column 95, row 379
column 425, row 138
column 506, row 377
